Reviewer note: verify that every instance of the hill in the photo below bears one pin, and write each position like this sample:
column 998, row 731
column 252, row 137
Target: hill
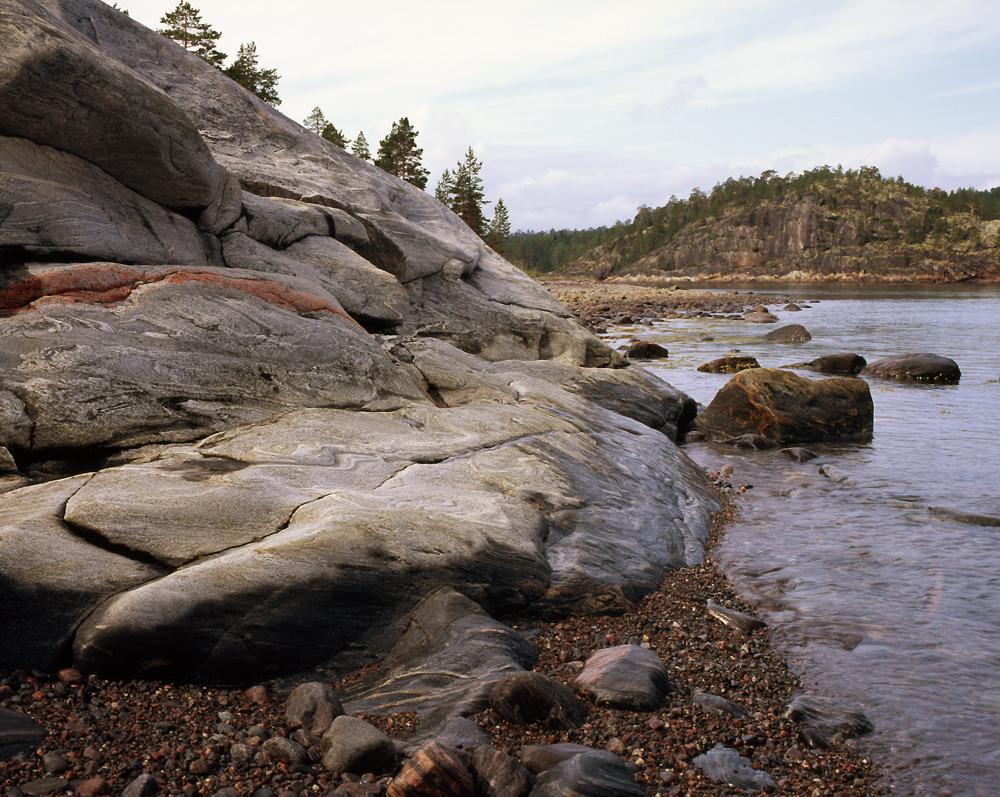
column 824, row 224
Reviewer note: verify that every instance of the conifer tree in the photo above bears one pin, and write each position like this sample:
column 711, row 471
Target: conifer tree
column 185, row 27
column 333, row 135
column 360, row 148
column 399, row 154
column 315, row 121
column 499, row 229
column 467, row 197
column 445, row 188
column 245, row 71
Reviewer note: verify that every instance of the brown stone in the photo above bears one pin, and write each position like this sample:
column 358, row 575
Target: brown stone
column 646, row 350
column 730, row 364
column 526, row 697
column 434, row 771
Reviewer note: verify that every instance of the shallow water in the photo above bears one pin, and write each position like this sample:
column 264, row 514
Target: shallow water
column 875, row 599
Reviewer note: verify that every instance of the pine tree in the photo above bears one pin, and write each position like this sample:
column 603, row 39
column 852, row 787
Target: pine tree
column 399, row 154
column 467, row 197
column 185, row 27
column 360, row 148
column 333, row 135
column 499, row 229
column 445, row 188
column 245, row 71
column 315, row 121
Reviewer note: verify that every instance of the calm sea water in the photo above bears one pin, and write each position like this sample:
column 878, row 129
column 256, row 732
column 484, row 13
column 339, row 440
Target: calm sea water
column 873, row 598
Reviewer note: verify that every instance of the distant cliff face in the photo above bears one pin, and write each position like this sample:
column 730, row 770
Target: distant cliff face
column 814, row 236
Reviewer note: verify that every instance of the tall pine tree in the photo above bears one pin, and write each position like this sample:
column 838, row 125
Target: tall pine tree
column 499, row 229
column 315, row 121
column 399, row 154
column 185, row 27
column 465, row 190
column 334, row 136
column 245, row 71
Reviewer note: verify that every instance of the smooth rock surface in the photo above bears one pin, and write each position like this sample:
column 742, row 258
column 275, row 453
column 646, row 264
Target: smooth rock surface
column 829, row 716
column 726, row 765
column 352, row 745
column 312, row 706
column 432, row 770
column 846, row 363
column 18, row 732
column 787, row 408
column 595, row 774
column 624, row 677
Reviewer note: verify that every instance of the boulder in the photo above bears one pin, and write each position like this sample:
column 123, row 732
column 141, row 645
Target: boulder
column 750, row 442
column 846, row 363
column 646, row 350
column 624, row 677
column 797, row 454
column 760, row 315
column 312, row 706
column 792, row 333
column 539, row 757
column 526, row 697
column 433, row 770
column 497, row 774
column 726, row 765
column 828, row 716
column 930, row 368
column 595, row 773
column 717, row 705
column 18, row 733
column 730, row 364
column 787, row 408
column 355, row 746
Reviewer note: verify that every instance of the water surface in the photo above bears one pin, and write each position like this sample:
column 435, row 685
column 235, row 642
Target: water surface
column 874, row 598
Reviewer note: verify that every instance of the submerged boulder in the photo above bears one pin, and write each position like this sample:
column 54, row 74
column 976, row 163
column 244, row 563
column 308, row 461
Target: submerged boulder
column 931, row 368
column 787, row 408
column 730, row 364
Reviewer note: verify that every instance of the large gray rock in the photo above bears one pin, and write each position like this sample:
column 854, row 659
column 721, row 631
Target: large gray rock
column 352, row 745
column 930, row 368
column 624, row 677
column 596, row 773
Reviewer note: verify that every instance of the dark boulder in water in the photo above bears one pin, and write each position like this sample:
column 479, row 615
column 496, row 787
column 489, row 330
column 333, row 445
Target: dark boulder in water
column 730, row 364
column 845, row 363
column 646, row 350
column 930, row 368
column 793, row 333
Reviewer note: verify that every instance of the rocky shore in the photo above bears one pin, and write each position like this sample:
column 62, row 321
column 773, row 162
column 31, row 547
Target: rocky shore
column 106, row 737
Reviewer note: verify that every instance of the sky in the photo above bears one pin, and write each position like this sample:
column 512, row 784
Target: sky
column 583, row 110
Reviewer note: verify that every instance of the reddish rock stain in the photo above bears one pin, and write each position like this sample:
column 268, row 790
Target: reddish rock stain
column 108, row 284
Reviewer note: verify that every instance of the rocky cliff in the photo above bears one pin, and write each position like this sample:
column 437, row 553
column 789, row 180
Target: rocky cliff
column 259, row 398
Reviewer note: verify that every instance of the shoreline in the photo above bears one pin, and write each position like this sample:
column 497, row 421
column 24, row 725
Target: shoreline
column 185, row 734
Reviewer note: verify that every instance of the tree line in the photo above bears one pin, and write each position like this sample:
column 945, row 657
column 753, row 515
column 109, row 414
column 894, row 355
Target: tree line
column 861, row 189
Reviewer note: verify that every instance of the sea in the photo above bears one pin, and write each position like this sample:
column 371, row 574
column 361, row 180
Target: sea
column 875, row 593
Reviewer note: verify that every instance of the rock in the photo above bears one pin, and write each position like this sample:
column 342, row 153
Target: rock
column 18, row 732
column 352, row 745
column 793, row 333
column 595, row 773
column 143, row 786
column 646, row 350
column 527, row 697
column 750, row 442
column 730, row 364
column 828, row 716
column 717, row 705
column 726, row 765
column 434, row 771
column 624, row 677
column 798, row 454
column 760, row 315
column 788, row 408
column 54, row 764
column 739, row 621
column 792, row 307
column 835, row 364
column 284, row 749
column 930, row 368
column 44, row 787
column 442, row 665
column 497, row 774
column 539, row 757
column 964, row 517
column 312, row 706
column 93, row 787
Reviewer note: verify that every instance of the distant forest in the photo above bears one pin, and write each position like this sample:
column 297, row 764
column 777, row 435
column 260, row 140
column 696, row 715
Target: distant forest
column 928, row 214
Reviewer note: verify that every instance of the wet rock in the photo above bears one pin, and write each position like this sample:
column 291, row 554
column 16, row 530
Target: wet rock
column 18, row 732
column 828, row 716
column 539, row 757
column 528, row 697
column 834, row 364
column 312, row 706
column 434, row 771
column 788, row 408
column 964, row 517
column 497, row 774
column 798, row 454
column 930, row 368
column 726, row 765
column 646, row 350
column 717, row 705
column 730, row 364
column 54, row 764
column 624, row 677
column 738, row 621
column 285, row 750
column 792, row 333
column 750, row 442
column 760, row 315
column 595, row 773
column 792, row 307
column 352, row 745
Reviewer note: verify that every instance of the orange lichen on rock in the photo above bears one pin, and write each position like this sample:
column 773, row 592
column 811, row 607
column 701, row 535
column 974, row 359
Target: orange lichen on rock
column 112, row 283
